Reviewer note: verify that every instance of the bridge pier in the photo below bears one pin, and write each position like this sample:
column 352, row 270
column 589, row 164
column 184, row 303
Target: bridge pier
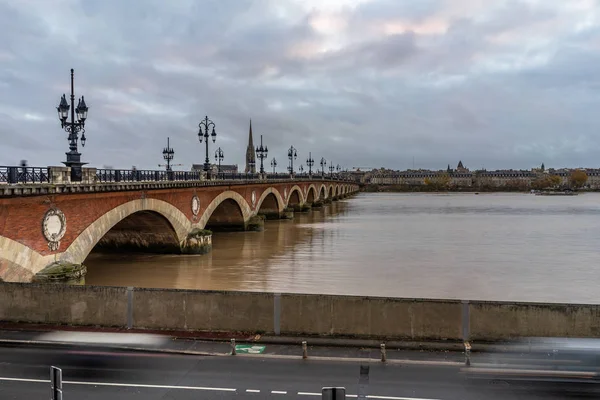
column 62, row 272
column 198, row 241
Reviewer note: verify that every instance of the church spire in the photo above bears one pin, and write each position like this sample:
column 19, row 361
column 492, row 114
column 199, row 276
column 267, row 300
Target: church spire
column 250, row 155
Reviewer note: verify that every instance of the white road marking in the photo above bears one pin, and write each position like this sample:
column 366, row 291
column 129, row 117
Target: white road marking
column 138, row 385
column 217, row 389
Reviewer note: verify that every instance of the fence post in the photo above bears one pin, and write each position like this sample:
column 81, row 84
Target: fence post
column 233, row 347
column 383, row 354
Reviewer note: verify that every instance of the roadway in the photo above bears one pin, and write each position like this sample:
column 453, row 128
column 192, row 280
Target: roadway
column 100, row 375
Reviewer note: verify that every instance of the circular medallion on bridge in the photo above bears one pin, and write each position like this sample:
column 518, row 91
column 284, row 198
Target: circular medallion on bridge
column 195, row 205
column 253, row 198
column 54, row 226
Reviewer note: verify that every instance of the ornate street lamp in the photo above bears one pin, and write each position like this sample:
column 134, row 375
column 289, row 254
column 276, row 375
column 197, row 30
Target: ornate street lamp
column 261, row 152
column 301, row 169
column 168, row 154
column 219, row 157
column 331, row 169
column 338, row 168
column 323, row 164
column 292, row 155
column 206, row 124
column 274, row 164
column 73, row 128
column 310, row 162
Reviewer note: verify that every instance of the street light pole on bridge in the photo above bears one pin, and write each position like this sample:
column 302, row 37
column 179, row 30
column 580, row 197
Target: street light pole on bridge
column 310, row 162
column 323, row 164
column 219, row 157
column 273, row 164
column 73, row 128
column 207, row 124
column 292, row 155
column 261, row 152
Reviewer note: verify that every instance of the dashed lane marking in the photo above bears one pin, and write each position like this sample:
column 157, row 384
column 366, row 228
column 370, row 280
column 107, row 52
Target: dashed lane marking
column 216, row 389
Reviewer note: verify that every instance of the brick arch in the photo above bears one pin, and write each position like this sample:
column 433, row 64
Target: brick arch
column 19, row 263
column 227, row 195
column 297, row 189
column 275, row 192
column 322, row 192
column 85, row 242
column 330, row 192
column 315, row 195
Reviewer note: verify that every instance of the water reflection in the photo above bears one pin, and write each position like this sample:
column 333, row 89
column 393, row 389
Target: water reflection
column 464, row 246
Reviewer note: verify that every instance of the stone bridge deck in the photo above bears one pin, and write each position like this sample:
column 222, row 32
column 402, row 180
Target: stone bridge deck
column 58, row 225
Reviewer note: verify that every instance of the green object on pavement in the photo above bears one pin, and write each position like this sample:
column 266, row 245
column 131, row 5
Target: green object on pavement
column 249, row 349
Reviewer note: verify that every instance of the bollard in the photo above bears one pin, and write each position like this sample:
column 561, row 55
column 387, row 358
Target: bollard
column 383, row 355
column 304, row 349
column 467, row 354
column 233, row 347
column 55, row 383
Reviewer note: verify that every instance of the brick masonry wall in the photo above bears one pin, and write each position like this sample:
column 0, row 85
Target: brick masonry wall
column 21, row 217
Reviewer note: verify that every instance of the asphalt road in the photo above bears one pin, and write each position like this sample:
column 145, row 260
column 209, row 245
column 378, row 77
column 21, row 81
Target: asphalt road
column 98, row 375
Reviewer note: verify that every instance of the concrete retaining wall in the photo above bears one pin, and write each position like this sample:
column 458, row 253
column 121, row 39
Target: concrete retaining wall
column 293, row 314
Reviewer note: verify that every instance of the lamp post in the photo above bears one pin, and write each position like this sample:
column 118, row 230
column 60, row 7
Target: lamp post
column 274, row 164
column 168, row 154
column 301, row 169
column 206, row 124
column 310, row 162
column 292, row 155
column 338, row 168
column 331, row 169
column 73, row 128
column 261, row 152
column 323, row 164
column 219, row 157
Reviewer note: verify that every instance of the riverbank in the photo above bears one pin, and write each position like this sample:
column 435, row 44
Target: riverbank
column 460, row 189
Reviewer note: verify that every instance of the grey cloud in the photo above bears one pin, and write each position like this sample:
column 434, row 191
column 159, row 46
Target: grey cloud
column 154, row 69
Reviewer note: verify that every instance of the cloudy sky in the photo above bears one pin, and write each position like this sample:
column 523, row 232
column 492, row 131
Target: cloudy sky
column 364, row 83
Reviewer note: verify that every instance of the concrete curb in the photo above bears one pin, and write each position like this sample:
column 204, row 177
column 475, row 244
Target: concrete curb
column 270, row 356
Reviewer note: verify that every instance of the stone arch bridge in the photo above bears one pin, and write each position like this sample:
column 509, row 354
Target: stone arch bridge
column 48, row 227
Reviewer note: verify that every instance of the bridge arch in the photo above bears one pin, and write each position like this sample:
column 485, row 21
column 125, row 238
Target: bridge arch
column 150, row 210
column 270, row 202
column 19, row 263
column 331, row 194
column 228, row 209
column 295, row 196
column 311, row 194
column 322, row 192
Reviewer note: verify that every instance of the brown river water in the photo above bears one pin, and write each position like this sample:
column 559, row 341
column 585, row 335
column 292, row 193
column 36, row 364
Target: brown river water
column 460, row 246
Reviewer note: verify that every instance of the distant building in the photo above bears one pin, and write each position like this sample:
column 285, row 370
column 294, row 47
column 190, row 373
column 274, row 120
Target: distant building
column 250, row 155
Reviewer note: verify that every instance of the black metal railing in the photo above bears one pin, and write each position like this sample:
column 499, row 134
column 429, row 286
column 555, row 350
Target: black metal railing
column 37, row 175
column 141, row 175
column 11, row 175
